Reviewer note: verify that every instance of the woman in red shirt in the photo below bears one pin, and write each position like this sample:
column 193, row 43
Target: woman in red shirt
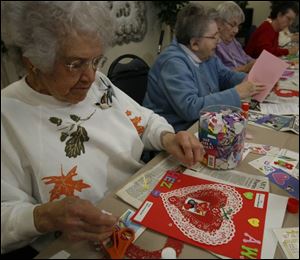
column 266, row 35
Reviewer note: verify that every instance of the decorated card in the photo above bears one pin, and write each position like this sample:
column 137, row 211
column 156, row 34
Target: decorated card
column 221, row 218
column 285, row 181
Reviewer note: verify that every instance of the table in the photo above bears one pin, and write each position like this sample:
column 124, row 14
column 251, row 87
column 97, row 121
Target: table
column 151, row 240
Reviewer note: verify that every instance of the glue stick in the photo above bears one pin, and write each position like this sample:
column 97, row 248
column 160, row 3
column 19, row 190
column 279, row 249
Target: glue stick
column 245, row 108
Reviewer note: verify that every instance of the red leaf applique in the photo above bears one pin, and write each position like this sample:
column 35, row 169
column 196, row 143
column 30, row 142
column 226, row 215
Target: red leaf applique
column 64, row 184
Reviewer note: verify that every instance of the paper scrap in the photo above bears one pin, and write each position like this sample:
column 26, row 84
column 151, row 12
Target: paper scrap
column 288, row 239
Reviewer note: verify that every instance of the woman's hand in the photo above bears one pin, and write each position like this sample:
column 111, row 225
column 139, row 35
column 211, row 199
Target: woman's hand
column 248, row 89
column 184, row 146
column 245, row 68
column 78, row 219
column 293, row 50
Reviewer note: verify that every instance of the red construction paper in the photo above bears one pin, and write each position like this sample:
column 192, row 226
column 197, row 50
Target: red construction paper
column 207, row 214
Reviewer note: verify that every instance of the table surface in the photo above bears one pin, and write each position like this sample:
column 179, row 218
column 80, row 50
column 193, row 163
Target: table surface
column 151, row 240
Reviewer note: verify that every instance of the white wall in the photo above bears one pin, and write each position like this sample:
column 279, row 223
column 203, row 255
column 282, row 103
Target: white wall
column 261, row 11
column 147, row 49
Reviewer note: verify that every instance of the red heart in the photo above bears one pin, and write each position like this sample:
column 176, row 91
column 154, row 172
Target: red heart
column 210, row 221
column 280, row 178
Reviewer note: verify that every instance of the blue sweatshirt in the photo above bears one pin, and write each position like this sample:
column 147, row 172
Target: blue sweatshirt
column 178, row 87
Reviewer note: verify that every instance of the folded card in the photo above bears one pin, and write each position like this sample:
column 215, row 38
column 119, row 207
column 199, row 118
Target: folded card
column 266, row 71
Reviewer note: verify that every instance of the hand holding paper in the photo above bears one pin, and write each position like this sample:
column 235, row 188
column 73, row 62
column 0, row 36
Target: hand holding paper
column 248, row 89
column 266, row 71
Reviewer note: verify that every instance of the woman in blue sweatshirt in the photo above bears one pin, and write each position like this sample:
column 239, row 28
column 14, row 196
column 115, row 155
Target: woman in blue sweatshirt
column 187, row 76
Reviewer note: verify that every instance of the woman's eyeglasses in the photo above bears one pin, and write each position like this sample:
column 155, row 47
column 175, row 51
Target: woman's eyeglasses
column 80, row 65
column 234, row 25
column 213, row 37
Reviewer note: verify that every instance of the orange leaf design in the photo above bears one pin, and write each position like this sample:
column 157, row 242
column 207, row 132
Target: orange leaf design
column 64, row 185
column 136, row 120
column 128, row 113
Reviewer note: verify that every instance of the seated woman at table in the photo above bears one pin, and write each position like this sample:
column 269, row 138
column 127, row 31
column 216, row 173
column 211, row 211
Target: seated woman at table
column 229, row 50
column 265, row 37
column 187, row 76
column 68, row 135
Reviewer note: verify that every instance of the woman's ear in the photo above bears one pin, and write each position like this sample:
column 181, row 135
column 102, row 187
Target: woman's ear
column 194, row 44
column 28, row 65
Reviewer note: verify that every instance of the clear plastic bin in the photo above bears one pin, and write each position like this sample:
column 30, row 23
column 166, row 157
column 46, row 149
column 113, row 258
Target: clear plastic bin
column 222, row 131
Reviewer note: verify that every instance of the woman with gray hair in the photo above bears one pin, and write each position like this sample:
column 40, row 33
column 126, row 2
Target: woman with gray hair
column 229, row 50
column 265, row 37
column 68, row 135
column 187, row 76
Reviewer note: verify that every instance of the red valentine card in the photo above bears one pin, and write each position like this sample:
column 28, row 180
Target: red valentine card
column 218, row 217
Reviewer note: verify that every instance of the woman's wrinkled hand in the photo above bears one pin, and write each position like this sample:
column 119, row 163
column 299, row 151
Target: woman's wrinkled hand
column 248, row 89
column 78, row 219
column 184, row 146
column 245, row 68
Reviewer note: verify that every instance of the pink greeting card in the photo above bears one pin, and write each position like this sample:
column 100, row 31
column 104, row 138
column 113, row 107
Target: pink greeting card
column 266, row 71
column 218, row 217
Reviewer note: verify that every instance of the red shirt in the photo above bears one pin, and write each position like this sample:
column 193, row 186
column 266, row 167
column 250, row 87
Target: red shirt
column 264, row 38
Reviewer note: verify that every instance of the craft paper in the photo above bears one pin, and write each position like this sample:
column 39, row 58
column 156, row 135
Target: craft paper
column 288, row 239
column 266, row 71
column 276, row 207
column 285, row 182
column 221, row 218
column 262, row 149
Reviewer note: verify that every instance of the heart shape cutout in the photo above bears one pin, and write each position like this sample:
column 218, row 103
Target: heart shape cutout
column 208, row 220
column 254, row 222
column 248, row 195
column 280, row 178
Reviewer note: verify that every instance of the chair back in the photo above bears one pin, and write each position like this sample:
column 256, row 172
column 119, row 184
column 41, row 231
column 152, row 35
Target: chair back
column 131, row 76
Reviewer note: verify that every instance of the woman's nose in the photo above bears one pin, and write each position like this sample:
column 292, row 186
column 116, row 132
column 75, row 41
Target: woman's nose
column 89, row 74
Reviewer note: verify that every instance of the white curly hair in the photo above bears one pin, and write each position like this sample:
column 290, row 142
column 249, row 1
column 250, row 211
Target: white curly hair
column 37, row 29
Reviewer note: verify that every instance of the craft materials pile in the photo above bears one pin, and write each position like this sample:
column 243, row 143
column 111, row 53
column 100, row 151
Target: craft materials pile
column 222, row 133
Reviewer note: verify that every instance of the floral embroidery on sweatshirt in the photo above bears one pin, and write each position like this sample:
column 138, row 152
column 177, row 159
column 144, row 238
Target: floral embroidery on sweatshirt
column 64, row 184
column 74, row 132
column 136, row 120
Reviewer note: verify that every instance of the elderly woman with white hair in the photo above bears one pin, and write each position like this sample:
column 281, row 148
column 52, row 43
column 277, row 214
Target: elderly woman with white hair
column 229, row 50
column 68, row 136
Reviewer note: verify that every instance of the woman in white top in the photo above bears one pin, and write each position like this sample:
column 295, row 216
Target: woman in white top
column 67, row 134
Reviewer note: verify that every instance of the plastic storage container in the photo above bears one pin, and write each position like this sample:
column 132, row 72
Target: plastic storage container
column 222, row 132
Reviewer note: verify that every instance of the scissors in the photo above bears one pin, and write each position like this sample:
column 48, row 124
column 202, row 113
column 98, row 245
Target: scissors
column 121, row 239
column 285, row 92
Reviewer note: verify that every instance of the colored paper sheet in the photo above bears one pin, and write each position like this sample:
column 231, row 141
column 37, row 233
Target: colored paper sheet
column 218, row 217
column 266, row 71
column 285, row 182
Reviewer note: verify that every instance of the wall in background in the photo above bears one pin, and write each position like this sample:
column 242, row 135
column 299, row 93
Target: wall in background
column 147, row 48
